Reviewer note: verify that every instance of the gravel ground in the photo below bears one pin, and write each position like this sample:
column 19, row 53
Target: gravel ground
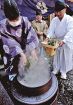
column 65, row 96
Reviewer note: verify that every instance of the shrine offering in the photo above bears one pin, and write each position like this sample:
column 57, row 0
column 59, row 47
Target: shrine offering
column 50, row 46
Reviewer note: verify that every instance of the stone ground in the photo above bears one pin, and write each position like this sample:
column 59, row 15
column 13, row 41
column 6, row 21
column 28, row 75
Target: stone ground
column 65, row 96
column 4, row 97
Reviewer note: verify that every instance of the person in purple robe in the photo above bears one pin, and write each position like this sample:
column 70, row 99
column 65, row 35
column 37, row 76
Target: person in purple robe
column 17, row 34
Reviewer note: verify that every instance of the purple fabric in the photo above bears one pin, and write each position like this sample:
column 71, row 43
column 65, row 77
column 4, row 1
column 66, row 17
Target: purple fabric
column 32, row 39
column 13, row 46
column 28, row 7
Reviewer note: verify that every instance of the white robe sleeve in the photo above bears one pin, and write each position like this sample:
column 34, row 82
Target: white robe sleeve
column 51, row 30
column 68, row 39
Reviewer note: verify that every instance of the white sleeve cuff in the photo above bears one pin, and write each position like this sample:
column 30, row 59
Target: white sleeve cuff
column 18, row 50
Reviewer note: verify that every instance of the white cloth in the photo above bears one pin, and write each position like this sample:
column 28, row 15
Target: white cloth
column 62, row 30
column 15, row 23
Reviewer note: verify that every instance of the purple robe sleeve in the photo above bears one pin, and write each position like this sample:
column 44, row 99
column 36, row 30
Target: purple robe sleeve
column 32, row 38
column 12, row 47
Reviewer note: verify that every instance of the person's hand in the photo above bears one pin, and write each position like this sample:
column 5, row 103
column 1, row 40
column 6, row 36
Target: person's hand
column 46, row 40
column 23, row 58
column 40, row 33
column 61, row 43
column 22, row 64
column 34, row 54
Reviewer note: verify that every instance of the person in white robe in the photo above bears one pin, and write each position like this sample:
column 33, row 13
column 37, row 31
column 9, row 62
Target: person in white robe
column 61, row 28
